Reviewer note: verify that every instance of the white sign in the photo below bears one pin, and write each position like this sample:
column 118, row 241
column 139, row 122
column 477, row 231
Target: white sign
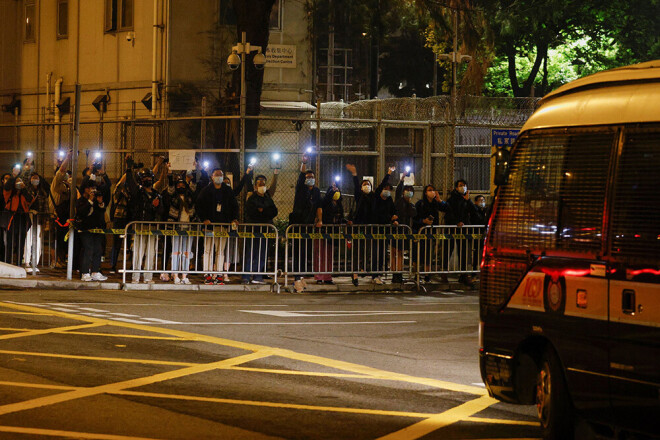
column 182, row 159
column 409, row 180
column 281, row 55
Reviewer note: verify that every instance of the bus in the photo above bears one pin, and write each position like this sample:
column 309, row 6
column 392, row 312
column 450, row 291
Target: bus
column 570, row 276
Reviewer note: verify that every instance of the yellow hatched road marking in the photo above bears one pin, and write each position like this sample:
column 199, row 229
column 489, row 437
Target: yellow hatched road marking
column 437, row 421
column 501, row 421
column 37, row 385
column 11, row 329
column 303, row 373
column 119, row 335
column 132, row 383
column 25, row 313
column 48, row 330
column 69, row 434
column 376, row 412
column 98, row 358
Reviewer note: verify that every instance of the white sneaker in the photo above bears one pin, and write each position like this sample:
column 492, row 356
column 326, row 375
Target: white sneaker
column 86, row 277
column 298, row 286
column 185, row 281
column 225, row 278
column 177, row 280
column 149, row 282
column 257, row 282
column 377, row 280
column 136, row 281
column 28, row 269
column 98, row 276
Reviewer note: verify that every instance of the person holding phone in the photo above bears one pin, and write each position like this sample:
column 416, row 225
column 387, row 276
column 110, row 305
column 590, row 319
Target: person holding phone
column 428, row 211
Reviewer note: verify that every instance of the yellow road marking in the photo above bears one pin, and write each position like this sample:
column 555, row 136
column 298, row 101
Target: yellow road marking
column 437, row 421
column 37, row 385
column 347, row 366
column 376, row 412
column 500, row 421
column 25, row 313
column 69, row 434
column 131, row 383
column 47, row 330
column 302, row 373
column 118, row 335
column 11, row 329
column 96, row 358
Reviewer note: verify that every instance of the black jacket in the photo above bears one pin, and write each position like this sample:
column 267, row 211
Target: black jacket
column 305, row 203
column 144, row 206
column 461, row 209
column 480, row 217
column 89, row 215
column 333, row 210
column 365, row 203
column 217, row 205
column 424, row 209
column 265, row 203
column 174, row 204
column 405, row 209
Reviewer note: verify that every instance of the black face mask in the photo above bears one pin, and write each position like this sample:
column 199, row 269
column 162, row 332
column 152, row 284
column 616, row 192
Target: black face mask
column 147, row 183
column 180, row 190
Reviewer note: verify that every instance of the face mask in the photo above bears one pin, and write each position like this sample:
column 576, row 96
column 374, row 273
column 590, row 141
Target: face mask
column 261, row 190
column 69, row 180
column 482, row 204
column 19, row 185
column 35, row 182
column 180, row 190
column 336, row 196
column 147, row 183
column 310, row 182
column 462, row 189
column 366, row 189
column 92, row 177
column 408, row 194
column 217, row 180
column 386, row 193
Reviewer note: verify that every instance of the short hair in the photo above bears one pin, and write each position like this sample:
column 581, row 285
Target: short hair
column 388, row 185
column 367, row 181
column 426, row 188
column 217, row 169
column 84, row 173
column 260, row 176
column 479, row 197
column 310, row 172
column 34, row 173
column 460, row 181
column 408, row 187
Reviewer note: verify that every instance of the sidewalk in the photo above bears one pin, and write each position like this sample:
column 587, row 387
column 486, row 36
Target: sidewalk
column 56, row 279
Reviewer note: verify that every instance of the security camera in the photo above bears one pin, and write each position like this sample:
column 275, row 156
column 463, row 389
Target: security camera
column 259, row 60
column 130, row 36
column 234, row 61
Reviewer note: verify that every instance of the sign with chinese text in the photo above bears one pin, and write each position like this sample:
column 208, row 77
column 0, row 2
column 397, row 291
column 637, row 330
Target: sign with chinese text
column 503, row 137
column 281, row 55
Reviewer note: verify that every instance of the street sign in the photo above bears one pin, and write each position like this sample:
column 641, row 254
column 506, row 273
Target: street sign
column 503, row 137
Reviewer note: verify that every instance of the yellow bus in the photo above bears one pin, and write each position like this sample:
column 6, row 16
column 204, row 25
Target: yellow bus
column 570, row 279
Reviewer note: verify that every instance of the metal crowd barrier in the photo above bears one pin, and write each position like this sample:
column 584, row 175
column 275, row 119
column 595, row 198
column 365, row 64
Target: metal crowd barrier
column 346, row 250
column 449, row 250
column 30, row 235
column 249, row 250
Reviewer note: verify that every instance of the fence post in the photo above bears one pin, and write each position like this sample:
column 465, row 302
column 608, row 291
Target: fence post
column 74, row 174
column 380, row 142
column 427, row 161
column 318, row 140
column 34, row 227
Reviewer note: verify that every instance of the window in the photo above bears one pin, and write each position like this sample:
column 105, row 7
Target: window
column 636, row 207
column 227, row 15
column 118, row 15
column 30, row 21
column 62, row 18
column 275, row 22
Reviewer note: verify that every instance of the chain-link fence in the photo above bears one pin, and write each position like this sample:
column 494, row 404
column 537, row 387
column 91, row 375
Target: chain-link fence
column 372, row 135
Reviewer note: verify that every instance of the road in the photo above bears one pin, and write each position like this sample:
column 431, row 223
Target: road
column 173, row 365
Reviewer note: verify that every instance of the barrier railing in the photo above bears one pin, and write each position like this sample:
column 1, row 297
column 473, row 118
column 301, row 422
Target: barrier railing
column 346, row 250
column 30, row 235
column 178, row 248
column 449, row 250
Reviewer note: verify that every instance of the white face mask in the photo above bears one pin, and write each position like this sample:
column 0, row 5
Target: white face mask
column 366, row 189
column 462, row 189
column 92, row 177
column 217, row 180
column 261, row 190
column 482, row 204
column 35, row 182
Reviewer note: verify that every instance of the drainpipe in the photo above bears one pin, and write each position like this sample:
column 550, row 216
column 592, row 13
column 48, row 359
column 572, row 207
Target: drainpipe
column 154, row 67
column 48, row 77
column 58, row 97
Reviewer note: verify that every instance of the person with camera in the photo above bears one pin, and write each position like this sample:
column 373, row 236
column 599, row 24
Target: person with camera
column 428, row 211
column 181, row 210
column 60, row 192
column 147, row 207
column 216, row 204
column 37, row 195
column 90, row 214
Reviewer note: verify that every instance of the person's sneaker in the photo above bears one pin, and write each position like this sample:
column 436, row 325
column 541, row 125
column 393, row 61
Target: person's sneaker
column 136, row 281
column 177, row 280
column 245, row 281
column 185, row 281
column 355, row 282
column 397, row 278
column 319, row 281
column 468, row 281
column 149, row 282
column 164, row 277
column 225, row 278
column 443, row 278
column 219, row 281
column 298, row 286
column 208, row 279
column 427, row 278
column 257, row 282
column 98, row 276
column 328, row 282
column 28, row 269
column 113, row 270
column 377, row 280
column 86, row 277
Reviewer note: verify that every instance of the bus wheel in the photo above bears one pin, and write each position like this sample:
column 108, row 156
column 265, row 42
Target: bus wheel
column 552, row 402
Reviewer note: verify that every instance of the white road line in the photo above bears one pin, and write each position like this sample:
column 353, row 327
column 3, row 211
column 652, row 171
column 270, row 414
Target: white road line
column 309, row 313
column 479, row 384
column 125, row 315
column 93, row 310
column 159, row 321
column 292, row 323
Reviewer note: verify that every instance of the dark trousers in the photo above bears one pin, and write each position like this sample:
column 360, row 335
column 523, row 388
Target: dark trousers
column 90, row 258
column 16, row 239
column 255, row 258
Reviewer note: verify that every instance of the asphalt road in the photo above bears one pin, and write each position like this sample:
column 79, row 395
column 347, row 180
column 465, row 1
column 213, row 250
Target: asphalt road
column 173, row 365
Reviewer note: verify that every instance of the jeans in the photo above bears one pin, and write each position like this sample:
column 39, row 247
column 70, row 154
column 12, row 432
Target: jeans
column 255, row 258
column 90, row 258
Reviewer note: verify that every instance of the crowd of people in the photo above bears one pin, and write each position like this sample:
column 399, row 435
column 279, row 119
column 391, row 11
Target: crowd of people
column 194, row 196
